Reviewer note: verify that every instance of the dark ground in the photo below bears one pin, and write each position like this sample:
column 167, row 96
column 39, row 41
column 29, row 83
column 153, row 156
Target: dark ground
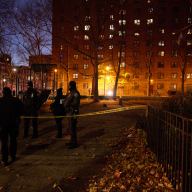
column 46, row 164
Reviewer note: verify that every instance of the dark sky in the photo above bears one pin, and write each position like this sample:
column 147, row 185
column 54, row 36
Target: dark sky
column 21, row 2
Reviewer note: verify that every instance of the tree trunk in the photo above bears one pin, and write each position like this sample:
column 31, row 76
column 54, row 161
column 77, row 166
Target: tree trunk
column 118, row 72
column 95, row 81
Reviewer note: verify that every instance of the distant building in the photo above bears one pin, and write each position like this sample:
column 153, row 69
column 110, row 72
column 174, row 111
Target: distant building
column 5, row 70
column 20, row 77
column 43, row 72
column 151, row 39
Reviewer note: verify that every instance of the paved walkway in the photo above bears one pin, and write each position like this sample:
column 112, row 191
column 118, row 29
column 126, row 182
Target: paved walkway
column 45, row 164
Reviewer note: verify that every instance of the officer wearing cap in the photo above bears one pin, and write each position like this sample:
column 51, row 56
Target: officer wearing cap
column 11, row 109
column 72, row 104
column 31, row 107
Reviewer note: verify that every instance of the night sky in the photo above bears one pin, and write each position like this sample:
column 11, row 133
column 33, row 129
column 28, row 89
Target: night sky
column 20, row 2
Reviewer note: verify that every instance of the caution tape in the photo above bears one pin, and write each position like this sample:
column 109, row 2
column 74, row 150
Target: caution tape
column 120, row 109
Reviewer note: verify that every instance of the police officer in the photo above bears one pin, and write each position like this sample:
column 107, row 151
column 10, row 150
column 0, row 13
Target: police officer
column 72, row 103
column 31, row 107
column 10, row 111
column 57, row 107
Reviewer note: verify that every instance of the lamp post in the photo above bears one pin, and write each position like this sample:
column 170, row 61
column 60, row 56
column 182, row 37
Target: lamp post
column 16, row 82
column 4, row 80
column 54, row 81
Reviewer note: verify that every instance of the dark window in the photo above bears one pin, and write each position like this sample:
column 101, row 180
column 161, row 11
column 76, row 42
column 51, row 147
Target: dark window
column 160, row 86
column 174, row 65
column 160, row 65
column 75, row 66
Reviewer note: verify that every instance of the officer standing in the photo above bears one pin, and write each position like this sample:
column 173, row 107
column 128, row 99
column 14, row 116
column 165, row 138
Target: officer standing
column 10, row 111
column 57, row 108
column 72, row 104
column 31, row 107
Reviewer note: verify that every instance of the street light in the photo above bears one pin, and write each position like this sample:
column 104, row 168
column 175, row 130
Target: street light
column 16, row 82
column 54, row 81
column 4, row 80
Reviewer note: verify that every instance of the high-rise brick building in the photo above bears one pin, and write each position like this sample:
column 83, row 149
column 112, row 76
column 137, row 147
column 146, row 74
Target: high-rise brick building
column 150, row 39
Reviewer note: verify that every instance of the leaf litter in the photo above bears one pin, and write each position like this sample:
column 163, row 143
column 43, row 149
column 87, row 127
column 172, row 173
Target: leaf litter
column 132, row 167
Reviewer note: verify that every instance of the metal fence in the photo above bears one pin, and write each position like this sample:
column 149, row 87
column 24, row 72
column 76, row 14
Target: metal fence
column 170, row 137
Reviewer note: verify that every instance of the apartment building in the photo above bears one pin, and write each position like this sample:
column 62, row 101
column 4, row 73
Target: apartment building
column 147, row 42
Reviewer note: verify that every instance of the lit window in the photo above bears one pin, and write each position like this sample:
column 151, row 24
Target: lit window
column 100, row 47
column 86, row 37
column 100, row 56
column 111, row 27
column 136, row 34
column 189, row 75
column 189, row 20
column 161, row 43
column 111, row 17
column 189, row 42
column 150, row 10
column 161, row 53
column 101, row 36
column 173, row 87
column 189, row 32
column 110, row 46
column 121, row 33
column 87, row 27
column 87, row 18
column 76, row 56
column 122, row 22
column 174, row 75
column 162, row 31
column 137, row 22
column 149, row 21
column 85, row 66
column 122, row 64
column 122, row 12
column 110, row 36
column 76, row 28
column 122, row 54
column 75, row 75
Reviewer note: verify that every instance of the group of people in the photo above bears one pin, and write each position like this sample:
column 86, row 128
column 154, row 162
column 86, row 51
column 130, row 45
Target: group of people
column 12, row 108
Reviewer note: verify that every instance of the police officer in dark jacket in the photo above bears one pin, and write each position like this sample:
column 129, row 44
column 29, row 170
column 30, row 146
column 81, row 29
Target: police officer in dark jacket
column 10, row 111
column 31, row 107
column 72, row 104
column 57, row 108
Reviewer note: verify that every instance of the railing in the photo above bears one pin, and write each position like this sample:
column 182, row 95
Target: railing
column 170, row 137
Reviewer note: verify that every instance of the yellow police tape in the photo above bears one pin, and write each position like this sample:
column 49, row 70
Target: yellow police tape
column 90, row 114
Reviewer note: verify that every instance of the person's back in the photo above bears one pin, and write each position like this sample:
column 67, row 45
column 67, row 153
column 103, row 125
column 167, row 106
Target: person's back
column 57, row 107
column 31, row 108
column 30, row 100
column 10, row 111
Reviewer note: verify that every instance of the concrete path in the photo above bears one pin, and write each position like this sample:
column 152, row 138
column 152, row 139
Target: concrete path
column 45, row 164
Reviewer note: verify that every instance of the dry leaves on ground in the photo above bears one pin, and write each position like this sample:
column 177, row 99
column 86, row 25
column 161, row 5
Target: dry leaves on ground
column 132, row 167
